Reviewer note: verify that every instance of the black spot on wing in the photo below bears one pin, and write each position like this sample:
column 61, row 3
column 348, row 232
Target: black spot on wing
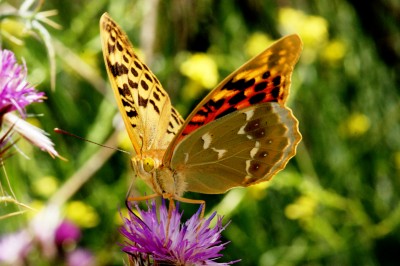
column 133, row 85
column 257, row 98
column 160, row 91
column 275, row 92
column 128, row 53
column 240, row 84
column 110, row 48
column 148, row 77
column 119, row 46
column 125, row 90
column 154, row 106
column 193, row 123
column 252, row 125
column 266, row 75
column 237, row 98
column 117, row 69
column 260, row 86
column 134, row 72
column 171, row 132
column 156, row 96
column 142, row 101
column 276, row 81
column 202, row 113
column 132, row 113
column 215, row 105
column 144, row 85
column 138, row 65
column 175, row 117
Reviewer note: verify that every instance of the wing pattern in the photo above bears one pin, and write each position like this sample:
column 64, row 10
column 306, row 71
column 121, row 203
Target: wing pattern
column 149, row 117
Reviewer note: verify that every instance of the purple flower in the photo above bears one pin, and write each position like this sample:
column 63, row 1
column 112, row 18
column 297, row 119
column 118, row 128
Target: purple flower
column 15, row 91
column 67, row 233
column 15, row 247
column 163, row 239
column 80, row 257
column 15, row 94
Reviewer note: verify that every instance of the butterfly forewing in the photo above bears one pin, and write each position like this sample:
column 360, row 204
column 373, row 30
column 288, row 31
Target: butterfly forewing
column 150, row 119
column 239, row 149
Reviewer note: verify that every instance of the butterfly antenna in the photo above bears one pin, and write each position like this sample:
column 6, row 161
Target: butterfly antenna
column 60, row 131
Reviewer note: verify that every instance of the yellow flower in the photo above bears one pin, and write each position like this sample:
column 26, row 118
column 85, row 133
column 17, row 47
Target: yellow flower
column 312, row 29
column 303, row 208
column 355, row 125
column 334, row 51
column 45, row 186
column 257, row 43
column 82, row 214
column 202, row 69
column 259, row 190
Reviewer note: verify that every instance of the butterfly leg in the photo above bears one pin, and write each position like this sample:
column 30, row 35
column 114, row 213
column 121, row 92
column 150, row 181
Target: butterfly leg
column 142, row 198
column 193, row 201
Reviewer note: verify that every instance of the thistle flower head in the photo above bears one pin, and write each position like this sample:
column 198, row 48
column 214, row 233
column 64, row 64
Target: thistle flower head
column 15, row 91
column 161, row 237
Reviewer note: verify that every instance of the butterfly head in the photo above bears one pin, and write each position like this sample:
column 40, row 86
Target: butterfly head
column 161, row 179
column 148, row 164
column 144, row 168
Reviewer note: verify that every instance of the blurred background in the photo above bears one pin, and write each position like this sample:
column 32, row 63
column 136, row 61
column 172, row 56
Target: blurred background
column 336, row 203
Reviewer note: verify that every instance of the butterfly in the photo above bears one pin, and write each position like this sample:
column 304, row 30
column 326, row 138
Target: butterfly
column 240, row 134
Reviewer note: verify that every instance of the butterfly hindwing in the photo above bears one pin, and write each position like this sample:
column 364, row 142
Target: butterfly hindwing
column 149, row 117
column 240, row 149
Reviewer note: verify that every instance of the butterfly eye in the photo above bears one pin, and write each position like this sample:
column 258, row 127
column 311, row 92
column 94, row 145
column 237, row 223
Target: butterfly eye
column 148, row 164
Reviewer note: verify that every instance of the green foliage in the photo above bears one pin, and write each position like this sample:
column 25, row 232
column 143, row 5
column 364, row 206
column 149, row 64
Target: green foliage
column 336, row 202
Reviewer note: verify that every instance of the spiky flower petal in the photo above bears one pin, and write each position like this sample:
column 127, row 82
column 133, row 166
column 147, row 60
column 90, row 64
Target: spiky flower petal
column 34, row 135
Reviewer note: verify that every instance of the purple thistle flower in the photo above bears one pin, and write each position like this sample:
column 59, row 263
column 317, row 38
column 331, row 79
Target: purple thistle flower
column 15, row 94
column 163, row 239
column 15, row 91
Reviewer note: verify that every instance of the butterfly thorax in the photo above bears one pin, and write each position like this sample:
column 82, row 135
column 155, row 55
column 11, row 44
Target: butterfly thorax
column 159, row 177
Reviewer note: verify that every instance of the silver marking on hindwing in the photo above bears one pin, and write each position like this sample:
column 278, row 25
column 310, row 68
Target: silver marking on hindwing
column 207, row 138
column 254, row 151
column 220, row 152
